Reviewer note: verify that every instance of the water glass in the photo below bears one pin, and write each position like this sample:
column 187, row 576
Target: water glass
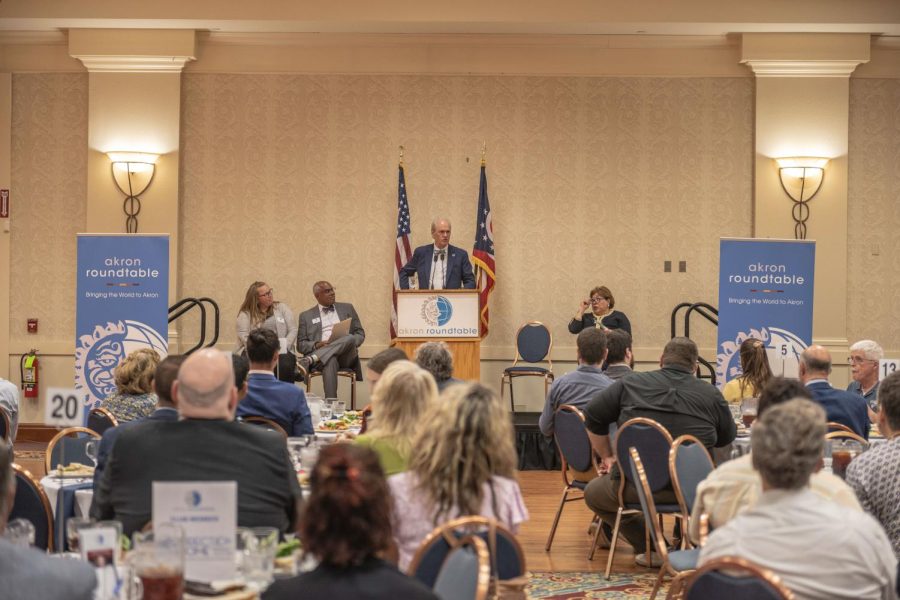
column 90, row 450
column 20, row 532
column 315, row 407
column 338, row 407
column 327, row 410
column 842, row 453
column 257, row 547
column 158, row 561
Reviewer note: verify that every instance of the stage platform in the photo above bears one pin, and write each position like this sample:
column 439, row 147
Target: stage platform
column 535, row 451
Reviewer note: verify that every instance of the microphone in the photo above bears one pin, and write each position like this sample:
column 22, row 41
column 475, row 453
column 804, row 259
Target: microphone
column 433, row 267
column 443, row 271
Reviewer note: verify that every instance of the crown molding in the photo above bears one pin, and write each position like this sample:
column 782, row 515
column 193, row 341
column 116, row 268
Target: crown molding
column 134, row 64
column 803, row 68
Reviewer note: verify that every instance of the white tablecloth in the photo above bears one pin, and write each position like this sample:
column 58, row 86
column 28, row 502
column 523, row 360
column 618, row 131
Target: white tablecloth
column 83, row 498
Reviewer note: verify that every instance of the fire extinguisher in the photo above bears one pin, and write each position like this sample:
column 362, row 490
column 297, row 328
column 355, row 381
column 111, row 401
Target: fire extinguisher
column 28, row 373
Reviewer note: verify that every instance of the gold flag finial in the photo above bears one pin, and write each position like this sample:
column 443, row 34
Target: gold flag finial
column 401, row 155
column 483, row 151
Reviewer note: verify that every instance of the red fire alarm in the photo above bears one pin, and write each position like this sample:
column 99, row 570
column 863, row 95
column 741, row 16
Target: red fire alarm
column 32, row 325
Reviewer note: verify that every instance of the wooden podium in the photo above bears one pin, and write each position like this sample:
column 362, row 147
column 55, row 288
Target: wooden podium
column 450, row 316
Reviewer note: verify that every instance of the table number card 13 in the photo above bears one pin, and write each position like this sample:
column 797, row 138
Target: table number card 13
column 886, row 366
column 64, row 407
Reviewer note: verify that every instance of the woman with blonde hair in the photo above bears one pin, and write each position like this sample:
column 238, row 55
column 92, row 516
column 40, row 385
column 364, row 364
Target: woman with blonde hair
column 134, row 398
column 463, row 463
column 400, row 400
column 756, row 372
column 261, row 310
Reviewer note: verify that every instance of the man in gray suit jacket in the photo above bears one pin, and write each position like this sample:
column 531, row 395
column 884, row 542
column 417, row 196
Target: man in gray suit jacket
column 25, row 573
column 314, row 339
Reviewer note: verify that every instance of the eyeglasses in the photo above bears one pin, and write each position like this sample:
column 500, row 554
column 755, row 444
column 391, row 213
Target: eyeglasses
column 270, row 293
column 599, row 300
column 855, row 360
column 327, row 290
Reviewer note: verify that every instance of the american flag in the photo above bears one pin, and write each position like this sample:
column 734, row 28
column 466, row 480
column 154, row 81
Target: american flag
column 402, row 252
column 483, row 252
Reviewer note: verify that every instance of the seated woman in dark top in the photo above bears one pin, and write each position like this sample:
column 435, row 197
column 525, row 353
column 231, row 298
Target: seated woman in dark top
column 601, row 315
column 346, row 526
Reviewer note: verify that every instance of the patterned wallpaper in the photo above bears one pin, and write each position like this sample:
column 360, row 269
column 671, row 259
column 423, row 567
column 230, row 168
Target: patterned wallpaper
column 293, row 178
column 873, row 218
column 49, row 183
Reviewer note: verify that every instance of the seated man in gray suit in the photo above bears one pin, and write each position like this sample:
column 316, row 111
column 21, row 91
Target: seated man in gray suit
column 314, row 339
column 25, row 573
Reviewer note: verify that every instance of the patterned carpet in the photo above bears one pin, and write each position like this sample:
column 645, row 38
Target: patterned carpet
column 577, row 585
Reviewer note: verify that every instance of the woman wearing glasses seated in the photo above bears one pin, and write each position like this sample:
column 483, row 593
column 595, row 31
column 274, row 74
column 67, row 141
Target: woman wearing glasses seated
column 260, row 310
column 601, row 314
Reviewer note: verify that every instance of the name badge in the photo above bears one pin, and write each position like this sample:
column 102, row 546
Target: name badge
column 316, row 320
column 280, row 319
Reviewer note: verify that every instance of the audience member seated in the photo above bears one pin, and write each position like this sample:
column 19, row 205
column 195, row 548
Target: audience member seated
column 282, row 402
column 819, row 549
column 677, row 400
column 346, row 527
column 435, row 358
column 582, row 384
column 735, row 485
column 134, row 398
column 619, row 358
column 9, row 401
column 400, row 402
column 205, row 445
column 166, row 373
column 463, row 463
column 864, row 358
column 875, row 474
column 755, row 372
column 376, row 365
column 25, row 573
column 840, row 406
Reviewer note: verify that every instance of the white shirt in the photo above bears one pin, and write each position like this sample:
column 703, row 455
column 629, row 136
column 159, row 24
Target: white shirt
column 439, row 269
column 329, row 320
column 9, row 400
column 819, row 549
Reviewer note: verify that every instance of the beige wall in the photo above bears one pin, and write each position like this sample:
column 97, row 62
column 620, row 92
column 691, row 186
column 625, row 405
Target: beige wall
column 592, row 180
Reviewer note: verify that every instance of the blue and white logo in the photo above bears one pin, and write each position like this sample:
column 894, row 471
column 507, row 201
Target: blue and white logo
column 437, row 311
column 193, row 498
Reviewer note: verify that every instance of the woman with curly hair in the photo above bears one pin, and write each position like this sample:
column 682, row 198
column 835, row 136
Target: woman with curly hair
column 463, row 463
column 346, row 526
column 261, row 310
column 403, row 394
column 134, row 398
column 756, row 372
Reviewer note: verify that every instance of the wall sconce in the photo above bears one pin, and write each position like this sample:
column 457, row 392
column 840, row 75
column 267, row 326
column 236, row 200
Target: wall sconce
column 801, row 178
column 132, row 173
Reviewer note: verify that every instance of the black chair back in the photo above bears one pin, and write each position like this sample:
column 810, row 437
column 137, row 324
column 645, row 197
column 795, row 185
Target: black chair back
column 689, row 464
column 743, row 580
column 31, row 503
column 653, row 444
column 533, row 342
column 572, row 438
column 100, row 419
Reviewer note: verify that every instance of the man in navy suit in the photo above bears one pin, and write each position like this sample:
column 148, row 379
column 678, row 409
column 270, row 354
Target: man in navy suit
column 439, row 266
column 840, row 406
column 268, row 397
column 315, row 343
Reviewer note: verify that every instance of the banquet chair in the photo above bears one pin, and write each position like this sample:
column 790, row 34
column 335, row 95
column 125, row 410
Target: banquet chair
column 466, row 572
column 653, row 441
column 31, row 503
column 579, row 463
column 507, row 557
column 847, row 435
column 736, row 579
column 832, row 426
column 533, row 345
column 100, row 419
column 689, row 464
column 5, row 426
column 69, row 445
column 678, row 563
column 349, row 373
column 264, row 422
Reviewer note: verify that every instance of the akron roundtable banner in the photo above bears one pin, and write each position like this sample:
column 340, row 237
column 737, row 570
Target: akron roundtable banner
column 121, row 305
column 765, row 292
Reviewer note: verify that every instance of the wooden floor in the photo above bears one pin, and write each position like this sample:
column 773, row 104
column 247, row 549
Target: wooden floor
column 542, row 491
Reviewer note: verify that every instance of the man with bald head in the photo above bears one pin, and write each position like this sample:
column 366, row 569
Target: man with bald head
column 205, row 445
column 439, row 266
column 315, row 342
column 840, row 406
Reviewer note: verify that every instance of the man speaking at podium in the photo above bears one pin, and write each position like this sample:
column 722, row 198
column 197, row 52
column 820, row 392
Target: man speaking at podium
column 439, row 266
